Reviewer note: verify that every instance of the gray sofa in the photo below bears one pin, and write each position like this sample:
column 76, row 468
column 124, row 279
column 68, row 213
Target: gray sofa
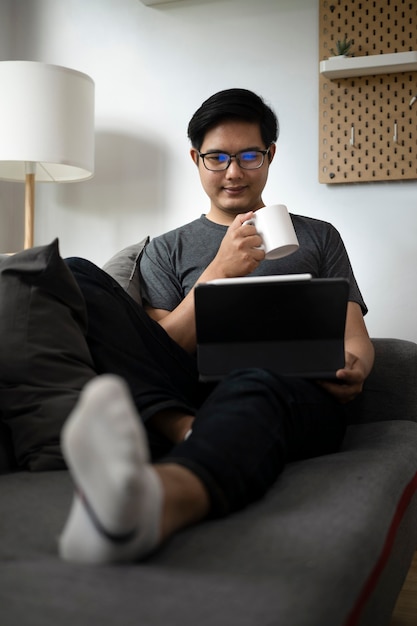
column 330, row 545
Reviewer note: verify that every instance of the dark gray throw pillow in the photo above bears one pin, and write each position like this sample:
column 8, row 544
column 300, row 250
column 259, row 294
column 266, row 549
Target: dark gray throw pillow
column 7, row 460
column 124, row 267
column 44, row 357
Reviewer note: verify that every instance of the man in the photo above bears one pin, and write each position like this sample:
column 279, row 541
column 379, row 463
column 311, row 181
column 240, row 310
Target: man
column 217, row 448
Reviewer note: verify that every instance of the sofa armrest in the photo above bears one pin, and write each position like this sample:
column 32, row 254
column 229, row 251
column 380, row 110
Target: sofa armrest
column 390, row 392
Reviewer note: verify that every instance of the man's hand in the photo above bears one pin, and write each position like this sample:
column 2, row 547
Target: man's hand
column 359, row 358
column 350, row 380
column 239, row 253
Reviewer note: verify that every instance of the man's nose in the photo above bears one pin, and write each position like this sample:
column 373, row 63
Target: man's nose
column 234, row 168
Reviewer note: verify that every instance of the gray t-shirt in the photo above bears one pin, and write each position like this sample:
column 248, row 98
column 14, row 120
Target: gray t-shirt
column 172, row 263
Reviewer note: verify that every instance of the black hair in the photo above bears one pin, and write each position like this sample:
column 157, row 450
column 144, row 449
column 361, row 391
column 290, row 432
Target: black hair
column 230, row 104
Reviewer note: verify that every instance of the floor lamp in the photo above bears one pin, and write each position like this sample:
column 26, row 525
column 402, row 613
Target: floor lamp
column 46, row 128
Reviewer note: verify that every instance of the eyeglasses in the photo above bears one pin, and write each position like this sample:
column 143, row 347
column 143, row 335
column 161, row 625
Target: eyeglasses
column 247, row 159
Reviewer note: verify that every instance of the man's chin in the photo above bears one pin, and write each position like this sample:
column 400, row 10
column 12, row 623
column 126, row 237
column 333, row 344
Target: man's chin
column 236, row 207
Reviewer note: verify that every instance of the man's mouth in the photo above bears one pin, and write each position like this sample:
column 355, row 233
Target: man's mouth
column 233, row 191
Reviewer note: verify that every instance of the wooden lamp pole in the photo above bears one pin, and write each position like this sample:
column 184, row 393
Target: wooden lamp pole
column 29, row 204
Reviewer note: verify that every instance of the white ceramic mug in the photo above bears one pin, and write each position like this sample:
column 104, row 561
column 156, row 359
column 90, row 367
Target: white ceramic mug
column 273, row 223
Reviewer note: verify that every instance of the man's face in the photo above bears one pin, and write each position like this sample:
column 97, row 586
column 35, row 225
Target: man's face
column 234, row 190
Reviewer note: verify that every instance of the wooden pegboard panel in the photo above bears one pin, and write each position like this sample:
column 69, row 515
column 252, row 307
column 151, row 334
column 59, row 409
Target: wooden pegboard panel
column 375, row 107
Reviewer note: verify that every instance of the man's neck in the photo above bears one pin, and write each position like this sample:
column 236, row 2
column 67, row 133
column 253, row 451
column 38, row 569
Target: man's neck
column 220, row 218
column 225, row 218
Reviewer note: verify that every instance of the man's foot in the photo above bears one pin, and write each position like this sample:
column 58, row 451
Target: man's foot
column 117, row 508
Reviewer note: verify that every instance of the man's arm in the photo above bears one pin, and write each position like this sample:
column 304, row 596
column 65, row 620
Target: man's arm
column 359, row 358
column 238, row 255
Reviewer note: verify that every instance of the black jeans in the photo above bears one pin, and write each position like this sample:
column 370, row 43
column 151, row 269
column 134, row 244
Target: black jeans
column 247, row 426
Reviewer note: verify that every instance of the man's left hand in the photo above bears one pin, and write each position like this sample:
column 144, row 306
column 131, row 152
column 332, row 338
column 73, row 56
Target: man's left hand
column 350, row 379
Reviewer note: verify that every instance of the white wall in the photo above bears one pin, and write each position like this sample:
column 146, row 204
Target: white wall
column 11, row 196
column 153, row 66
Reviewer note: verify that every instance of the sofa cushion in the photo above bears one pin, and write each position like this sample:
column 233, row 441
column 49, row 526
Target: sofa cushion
column 335, row 531
column 124, row 267
column 44, row 359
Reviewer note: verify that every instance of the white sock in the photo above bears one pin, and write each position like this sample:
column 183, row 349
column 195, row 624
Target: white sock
column 116, row 514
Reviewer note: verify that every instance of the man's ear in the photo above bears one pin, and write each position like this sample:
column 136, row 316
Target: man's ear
column 272, row 150
column 194, row 155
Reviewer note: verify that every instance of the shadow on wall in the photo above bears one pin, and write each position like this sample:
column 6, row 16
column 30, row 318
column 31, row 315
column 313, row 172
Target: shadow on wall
column 130, row 175
column 12, row 216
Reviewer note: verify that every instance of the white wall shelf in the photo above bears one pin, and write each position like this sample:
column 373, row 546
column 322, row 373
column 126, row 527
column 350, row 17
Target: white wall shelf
column 151, row 2
column 345, row 67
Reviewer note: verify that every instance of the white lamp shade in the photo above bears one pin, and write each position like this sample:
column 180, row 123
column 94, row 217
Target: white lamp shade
column 47, row 118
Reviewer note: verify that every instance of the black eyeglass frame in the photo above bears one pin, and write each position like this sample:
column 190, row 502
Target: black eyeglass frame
column 235, row 156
